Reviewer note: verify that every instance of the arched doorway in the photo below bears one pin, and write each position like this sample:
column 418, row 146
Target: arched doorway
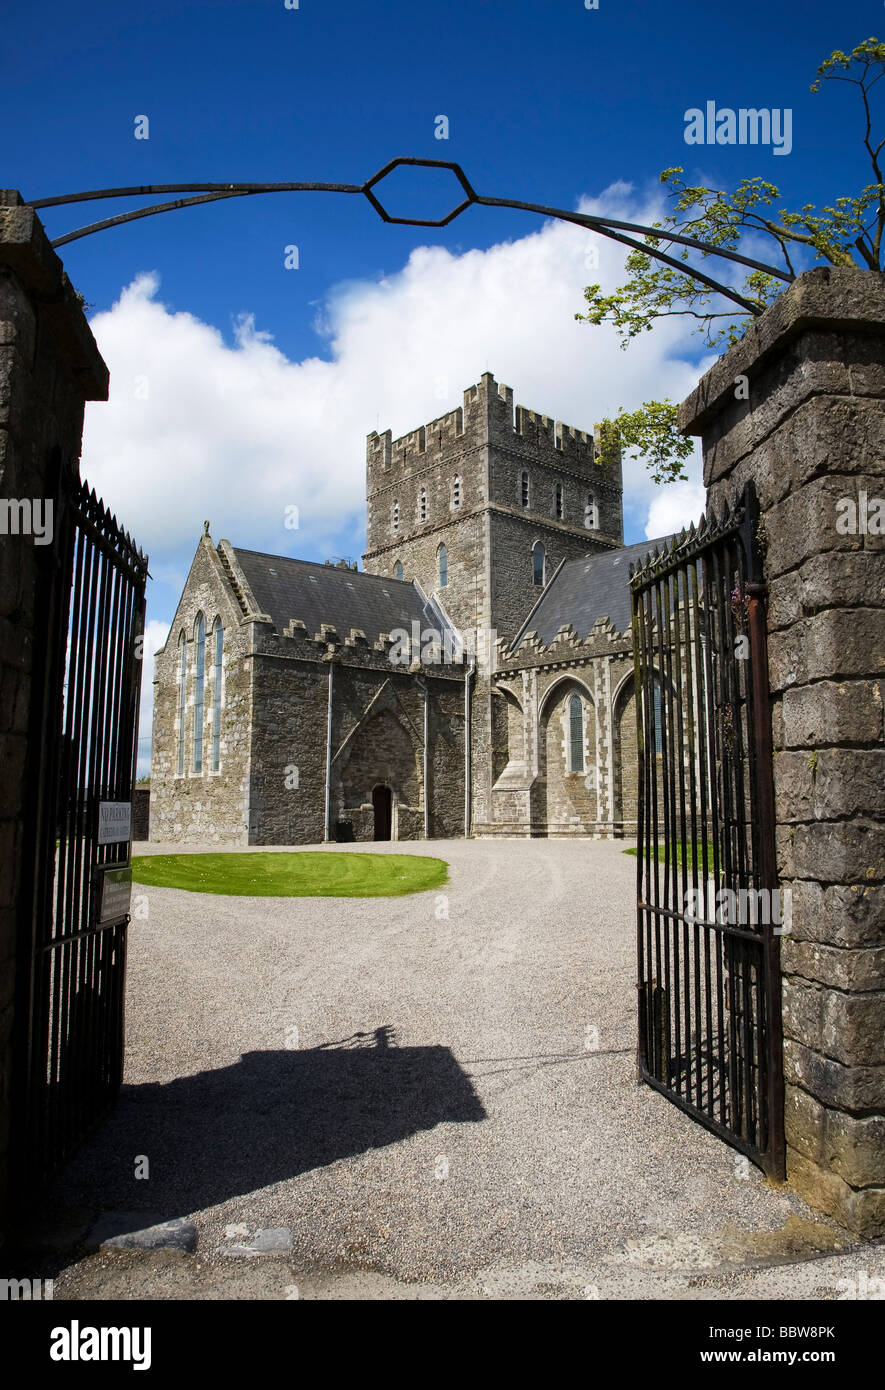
column 382, row 805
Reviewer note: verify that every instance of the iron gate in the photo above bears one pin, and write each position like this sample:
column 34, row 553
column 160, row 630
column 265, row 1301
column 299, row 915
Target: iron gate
column 70, row 1049
column 709, row 913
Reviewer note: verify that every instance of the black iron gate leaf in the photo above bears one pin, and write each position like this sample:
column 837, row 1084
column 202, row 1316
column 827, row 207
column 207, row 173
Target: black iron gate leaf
column 708, row 904
column 71, row 986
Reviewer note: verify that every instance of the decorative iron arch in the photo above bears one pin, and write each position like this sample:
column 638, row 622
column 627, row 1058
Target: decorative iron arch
column 610, row 227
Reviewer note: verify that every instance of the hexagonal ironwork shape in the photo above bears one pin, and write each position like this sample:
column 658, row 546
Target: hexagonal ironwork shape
column 426, row 164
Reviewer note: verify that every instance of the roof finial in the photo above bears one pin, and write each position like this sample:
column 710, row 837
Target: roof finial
column 205, row 528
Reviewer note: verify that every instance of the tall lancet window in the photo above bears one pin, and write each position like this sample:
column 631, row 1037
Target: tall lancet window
column 216, row 694
column 182, row 699
column 199, row 679
column 538, row 563
column 576, row 734
column 558, row 501
column 443, row 567
column 422, row 505
column 591, row 520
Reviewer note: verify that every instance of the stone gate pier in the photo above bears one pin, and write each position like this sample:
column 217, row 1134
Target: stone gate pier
column 799, row 407
column 49, row 367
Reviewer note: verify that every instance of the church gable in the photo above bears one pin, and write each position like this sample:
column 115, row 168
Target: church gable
column 207, row 589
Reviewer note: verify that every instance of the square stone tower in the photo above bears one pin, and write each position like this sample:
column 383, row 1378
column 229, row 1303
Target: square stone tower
column 481, row 505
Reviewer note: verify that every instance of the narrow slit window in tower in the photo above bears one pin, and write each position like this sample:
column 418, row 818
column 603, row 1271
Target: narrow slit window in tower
column 538, row 565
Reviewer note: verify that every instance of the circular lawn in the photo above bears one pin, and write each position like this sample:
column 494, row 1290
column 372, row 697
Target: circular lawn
column 309, row 874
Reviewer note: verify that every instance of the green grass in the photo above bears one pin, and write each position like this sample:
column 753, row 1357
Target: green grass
column 310, row 874
column 697, row 854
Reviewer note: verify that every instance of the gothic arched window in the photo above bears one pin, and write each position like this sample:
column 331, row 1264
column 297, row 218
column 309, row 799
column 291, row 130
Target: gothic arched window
column 524, row 489
column 590, row 518
column 398, row 570
column 538, row 559
column 199, row 679
column 218, row 652
column 182, row 699
column 576, row 734
column 558, row 501
column 443, row 567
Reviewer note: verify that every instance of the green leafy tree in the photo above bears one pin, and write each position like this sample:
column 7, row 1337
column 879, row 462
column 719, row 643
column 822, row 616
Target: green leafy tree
column 651, row 431
column 847, row 233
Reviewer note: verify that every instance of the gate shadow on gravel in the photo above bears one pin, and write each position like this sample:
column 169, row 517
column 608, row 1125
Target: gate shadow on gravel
column 272, row 1115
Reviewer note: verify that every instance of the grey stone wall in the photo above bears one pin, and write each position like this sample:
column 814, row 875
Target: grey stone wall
column 49, row 365
column 377, row 739
column 288, row 749
column 141, row 813
column 812, row 436
column 207, row 806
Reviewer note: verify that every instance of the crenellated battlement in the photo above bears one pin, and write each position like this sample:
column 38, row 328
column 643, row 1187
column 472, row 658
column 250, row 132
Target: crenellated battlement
column 386, row 456
column 488, row 415
column 567, row 645
column 518, row 425
column 419, row 649
column 565, row 441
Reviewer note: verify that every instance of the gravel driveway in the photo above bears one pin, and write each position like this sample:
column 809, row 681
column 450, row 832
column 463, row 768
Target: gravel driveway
column 436, row 1095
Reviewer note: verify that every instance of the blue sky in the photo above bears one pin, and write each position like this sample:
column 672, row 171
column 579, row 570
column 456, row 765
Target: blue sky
column 258, row 384
column 546, row 101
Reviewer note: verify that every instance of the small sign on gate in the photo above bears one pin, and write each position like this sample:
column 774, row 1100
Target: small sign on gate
column 113, row 884
column 114, row 822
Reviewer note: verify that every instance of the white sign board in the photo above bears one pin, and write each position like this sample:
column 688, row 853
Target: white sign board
column 114, row 821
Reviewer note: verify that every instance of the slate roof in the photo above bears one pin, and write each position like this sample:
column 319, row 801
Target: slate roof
column 286, row 588
column 595, row 586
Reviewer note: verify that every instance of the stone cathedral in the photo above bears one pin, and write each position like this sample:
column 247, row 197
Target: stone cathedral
column 475, row 678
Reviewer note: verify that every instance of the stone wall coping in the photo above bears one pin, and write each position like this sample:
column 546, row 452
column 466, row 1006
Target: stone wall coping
column 26, row 252
column 834, row 298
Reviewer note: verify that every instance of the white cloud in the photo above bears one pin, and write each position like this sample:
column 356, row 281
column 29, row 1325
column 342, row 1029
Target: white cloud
column 155, row 634
column 676, row 506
